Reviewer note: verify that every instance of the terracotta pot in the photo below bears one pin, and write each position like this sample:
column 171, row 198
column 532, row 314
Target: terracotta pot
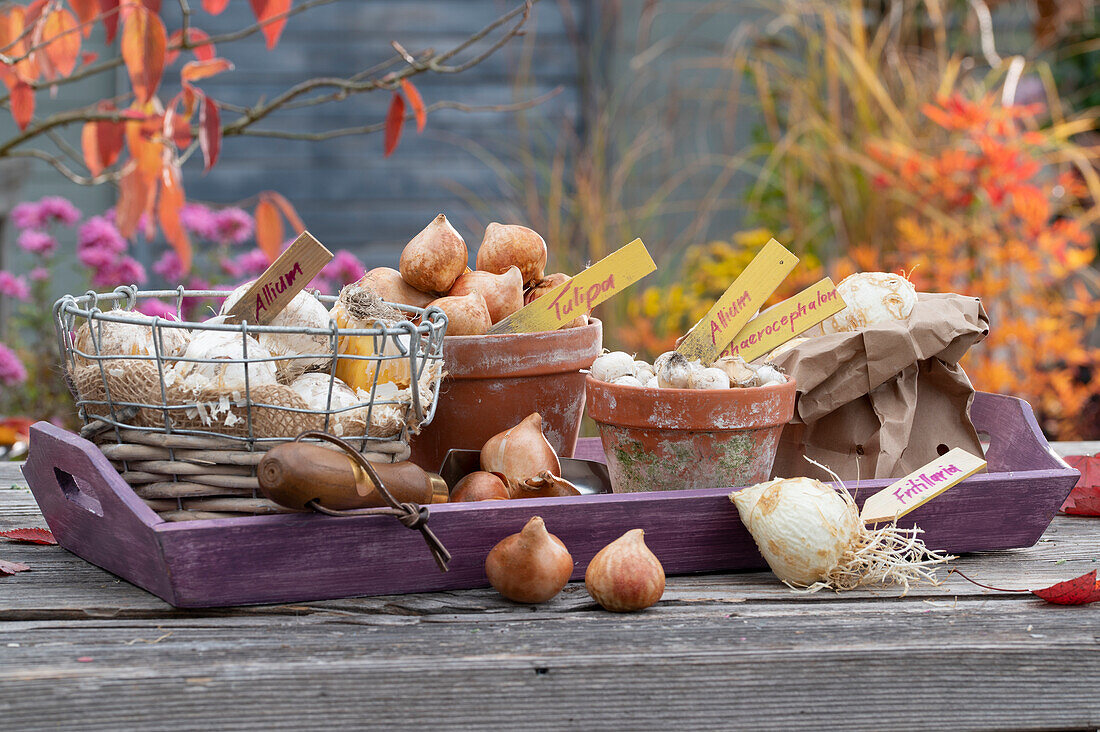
column 674, row 439
column 492, row 382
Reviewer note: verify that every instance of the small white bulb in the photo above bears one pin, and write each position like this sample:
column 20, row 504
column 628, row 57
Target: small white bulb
column 710, row 378
column 611, row 366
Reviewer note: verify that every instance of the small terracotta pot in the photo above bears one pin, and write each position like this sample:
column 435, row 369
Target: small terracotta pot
column 676, row 439
column 492, row 382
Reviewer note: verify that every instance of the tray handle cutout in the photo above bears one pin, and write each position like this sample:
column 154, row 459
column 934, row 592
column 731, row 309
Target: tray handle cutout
column 78, row 491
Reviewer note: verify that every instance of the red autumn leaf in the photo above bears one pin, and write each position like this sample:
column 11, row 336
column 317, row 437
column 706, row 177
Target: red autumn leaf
column 417, row 104
column 30, row 536
column 135, row 191
column 287, row 210
column 196, row 70
column 109, row 10
column 195, row 37
column 61, row 41
column 22, row 104
column 1084, row 499
column 15, row 429
column 101, row 141
column 144, row 42
column 86, row 12
column 269, row 228
column 210, row 132
column 214, row 7
column 9, row 568
column 88, row 57
column 1077, row 591
column 266, row 11
column 169, row 207
column 143, row 135
column 13, row 23
column 395, row 120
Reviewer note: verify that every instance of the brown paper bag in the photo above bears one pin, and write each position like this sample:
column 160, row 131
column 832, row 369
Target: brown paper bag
column 883, row 401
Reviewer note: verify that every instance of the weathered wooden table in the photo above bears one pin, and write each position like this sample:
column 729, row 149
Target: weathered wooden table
column 80, row 648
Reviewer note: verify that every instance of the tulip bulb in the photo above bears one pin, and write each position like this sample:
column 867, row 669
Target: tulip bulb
column 434, row 258
column 479, row 486
column 531, row 566
column 507, row 245
column 386, row 282
column 503, row 293
column 520, row 453
column 466, row 314
column 625, row 575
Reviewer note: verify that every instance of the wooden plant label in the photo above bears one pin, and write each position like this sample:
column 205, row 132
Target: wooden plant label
column 286, row 277
column 780, row 323
column 713, row 333
column 607, row 277
column 920, row 486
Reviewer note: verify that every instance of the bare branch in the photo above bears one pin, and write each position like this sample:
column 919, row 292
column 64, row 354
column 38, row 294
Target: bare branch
column 367, row 129
column 65, row 170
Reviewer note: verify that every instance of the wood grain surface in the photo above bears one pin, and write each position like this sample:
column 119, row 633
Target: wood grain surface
column 82, row 649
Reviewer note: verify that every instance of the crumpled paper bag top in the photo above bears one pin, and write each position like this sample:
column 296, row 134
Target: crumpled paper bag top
column 885, row 400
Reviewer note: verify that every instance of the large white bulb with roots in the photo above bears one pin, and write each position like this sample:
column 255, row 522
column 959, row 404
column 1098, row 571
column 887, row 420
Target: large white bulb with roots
column 869, row 298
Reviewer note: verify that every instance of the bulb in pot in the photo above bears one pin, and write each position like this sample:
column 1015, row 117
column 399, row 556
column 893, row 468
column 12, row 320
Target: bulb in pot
column 434, row 258
column 386, row 282
column 625, row 575
column 503, row 293
column 479, row 486
column 531, row 566
column 466, row 314
column 520, row 453
column 507, row 245
column 675, row 372
column 710, row 378
column 611, row 366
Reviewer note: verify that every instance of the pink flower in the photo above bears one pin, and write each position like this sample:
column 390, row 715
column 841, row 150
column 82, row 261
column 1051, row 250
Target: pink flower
column 12, row 371
column 40, row 274
column 96, row 259
column 251, row 263
column 14, row 286
column 199, row 220
column 345, row 268
column 37, row 242
column 56, row 208
column 322, row 283
column 100, row 233
column 157, row 309
column 232, row 226
column 169, row 267
column 48, row 210
column 125, row 271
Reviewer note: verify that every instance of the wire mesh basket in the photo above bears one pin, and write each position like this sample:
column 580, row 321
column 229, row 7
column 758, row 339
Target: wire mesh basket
column 185, row 410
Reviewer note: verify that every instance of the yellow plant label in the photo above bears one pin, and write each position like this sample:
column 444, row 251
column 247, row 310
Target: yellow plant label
column 286, row 277
column 920, row 486
column 780, row 323
column 713, row 333
column 607, row 277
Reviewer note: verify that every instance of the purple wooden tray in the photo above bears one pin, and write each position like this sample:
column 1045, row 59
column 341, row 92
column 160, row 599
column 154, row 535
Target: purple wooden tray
column 300, row 557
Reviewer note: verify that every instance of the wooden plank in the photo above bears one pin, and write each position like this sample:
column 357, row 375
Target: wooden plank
column 724, row 320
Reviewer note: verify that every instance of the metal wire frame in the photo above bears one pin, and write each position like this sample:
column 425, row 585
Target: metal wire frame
column 420, row 343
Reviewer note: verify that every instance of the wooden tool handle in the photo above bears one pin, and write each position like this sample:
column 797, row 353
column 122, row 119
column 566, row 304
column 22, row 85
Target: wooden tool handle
column 296, row 473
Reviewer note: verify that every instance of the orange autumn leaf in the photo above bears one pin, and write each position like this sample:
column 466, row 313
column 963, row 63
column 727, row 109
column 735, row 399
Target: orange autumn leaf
column 287, row 209
column 101, row 142
column 196, row 70
column 22, row 104
column 61, row 41
column 135, row 191
column 169, row 207
column 144, row 43
column 195, row 38
column 214, row 7
column 272, row 15
column 14, row 41
column 86, row 12
column 210, row 132
column 142, row 141
column 269, row 229
column 417, row 104
column 110, row 11
column 395, row 120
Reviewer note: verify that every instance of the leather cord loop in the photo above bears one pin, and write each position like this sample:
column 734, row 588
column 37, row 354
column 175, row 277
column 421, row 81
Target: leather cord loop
column 411, row 515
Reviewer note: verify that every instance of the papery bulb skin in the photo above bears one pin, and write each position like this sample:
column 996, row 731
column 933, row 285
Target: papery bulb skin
column 531, row 566
column 434, row 258
column 625, row 575
column 508, row 245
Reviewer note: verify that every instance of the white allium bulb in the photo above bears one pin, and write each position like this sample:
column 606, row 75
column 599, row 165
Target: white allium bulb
column 304, row 311
column 767, row 375
column 739, row 373
column 710, row 378
column 675, row 372
column 611, row 366
column 643, row 371
column 661, row 360
column 801, row 526
column 314, row 389
column 869, row 298
column 215, row 348
column 627, row 380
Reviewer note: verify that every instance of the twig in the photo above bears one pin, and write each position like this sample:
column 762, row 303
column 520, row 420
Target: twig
column 64, row 169
column 367, row 129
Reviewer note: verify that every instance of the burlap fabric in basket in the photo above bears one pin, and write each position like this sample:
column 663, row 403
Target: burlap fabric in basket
column 204, row 476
